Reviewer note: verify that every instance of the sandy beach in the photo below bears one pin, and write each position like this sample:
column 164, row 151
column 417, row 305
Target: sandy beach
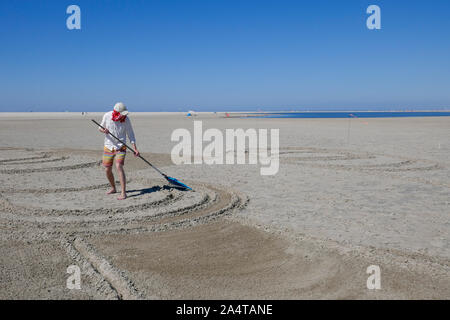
column 349, row 193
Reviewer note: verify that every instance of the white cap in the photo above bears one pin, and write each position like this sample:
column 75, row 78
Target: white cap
column 121, row 108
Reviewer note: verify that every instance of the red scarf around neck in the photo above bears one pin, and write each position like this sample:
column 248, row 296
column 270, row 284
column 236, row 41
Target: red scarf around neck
column 116, row 116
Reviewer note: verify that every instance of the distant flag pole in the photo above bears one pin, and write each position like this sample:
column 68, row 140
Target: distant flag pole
column 348, row 128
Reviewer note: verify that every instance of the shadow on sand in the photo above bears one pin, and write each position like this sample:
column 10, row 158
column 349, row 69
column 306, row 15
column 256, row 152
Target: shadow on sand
column 140, row 192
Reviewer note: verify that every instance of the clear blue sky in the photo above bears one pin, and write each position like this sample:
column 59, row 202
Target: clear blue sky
column 223, row 55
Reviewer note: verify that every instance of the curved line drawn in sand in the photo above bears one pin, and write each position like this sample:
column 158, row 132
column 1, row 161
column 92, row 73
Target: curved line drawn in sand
column 37, row 161
column 117, row 280
column 39, row 158
column 95, row 279
column 59, row 190
column 44, row 156
column 319, row 157
column 72, row 167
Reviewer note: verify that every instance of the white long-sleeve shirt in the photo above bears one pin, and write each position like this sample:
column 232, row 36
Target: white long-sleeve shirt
column 120, row 129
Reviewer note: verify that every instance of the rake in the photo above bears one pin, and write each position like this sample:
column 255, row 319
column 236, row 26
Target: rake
column 171, row 180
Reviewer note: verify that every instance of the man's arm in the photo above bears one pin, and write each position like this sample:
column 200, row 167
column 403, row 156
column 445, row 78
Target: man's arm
column 136, row 151
column 130, row 134
column 103, row 124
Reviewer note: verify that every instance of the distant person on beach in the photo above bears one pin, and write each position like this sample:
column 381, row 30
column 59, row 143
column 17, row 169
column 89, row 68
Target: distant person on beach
column 119, row 125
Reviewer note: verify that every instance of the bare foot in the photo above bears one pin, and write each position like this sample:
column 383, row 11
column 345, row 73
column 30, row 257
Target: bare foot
column 111, row 191
column 122, row 197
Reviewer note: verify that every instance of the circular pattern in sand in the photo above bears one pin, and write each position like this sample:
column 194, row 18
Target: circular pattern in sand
column 347, row 160
column 59, row 195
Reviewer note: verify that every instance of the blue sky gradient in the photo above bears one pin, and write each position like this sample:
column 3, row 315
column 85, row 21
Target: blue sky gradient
column 224, row 55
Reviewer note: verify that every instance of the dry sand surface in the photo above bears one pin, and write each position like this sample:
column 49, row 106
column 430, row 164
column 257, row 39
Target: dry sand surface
column 348, row 194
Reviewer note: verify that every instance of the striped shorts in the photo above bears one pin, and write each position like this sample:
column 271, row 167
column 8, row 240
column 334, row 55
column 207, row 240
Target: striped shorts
column 108, row 156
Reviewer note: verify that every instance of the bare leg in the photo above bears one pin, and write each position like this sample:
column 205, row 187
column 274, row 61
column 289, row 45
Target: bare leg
column 123, row 181
column 110, row 177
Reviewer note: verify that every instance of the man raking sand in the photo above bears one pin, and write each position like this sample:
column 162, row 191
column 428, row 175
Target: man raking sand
column 117, row 123
column 117, row 127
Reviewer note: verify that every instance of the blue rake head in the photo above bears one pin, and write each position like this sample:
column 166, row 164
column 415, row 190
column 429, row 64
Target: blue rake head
column 177, row 183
